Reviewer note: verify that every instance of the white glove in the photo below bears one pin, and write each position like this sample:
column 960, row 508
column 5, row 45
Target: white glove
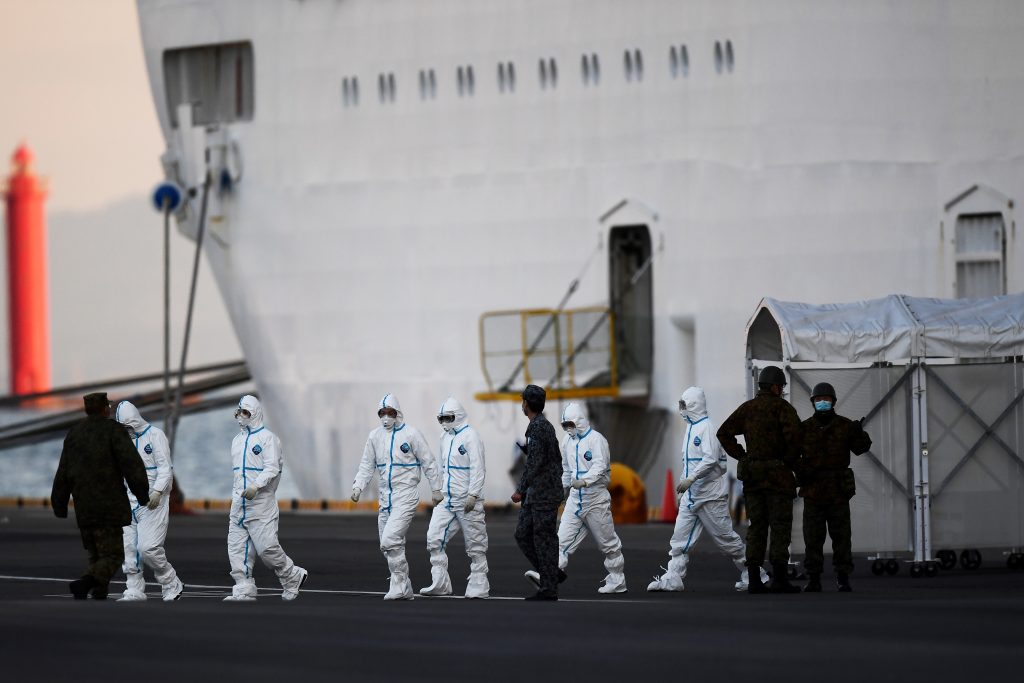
column 683, row 485
column 250, row 492
column 436, row 496
column 471, row 502
column 356, row 491
column 154, row 500
column 579, row 484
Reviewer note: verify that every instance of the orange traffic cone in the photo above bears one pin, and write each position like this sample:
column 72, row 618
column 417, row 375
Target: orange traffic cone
column 669, row 506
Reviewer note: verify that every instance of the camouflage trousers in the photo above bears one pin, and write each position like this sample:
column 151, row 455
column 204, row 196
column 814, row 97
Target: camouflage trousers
column 537, row 536
column 837, row 517
column 768, row 511
column 105, row 546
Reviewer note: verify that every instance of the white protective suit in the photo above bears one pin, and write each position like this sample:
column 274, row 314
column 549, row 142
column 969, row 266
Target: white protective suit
column 144, row 537
column 586, row 460
column 461, row 459
column 397, row 455
column 256, row 458
column 705, row 502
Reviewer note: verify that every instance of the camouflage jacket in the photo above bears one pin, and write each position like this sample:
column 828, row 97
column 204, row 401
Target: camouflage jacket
column 771, row 430
column 541, row 483
column 826, row 442
column 98, row 458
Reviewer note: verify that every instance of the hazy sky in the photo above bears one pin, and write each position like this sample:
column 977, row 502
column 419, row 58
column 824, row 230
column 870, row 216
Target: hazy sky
column 73, row 84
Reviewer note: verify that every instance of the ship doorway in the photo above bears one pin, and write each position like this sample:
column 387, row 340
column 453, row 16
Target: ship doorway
column 632, row 304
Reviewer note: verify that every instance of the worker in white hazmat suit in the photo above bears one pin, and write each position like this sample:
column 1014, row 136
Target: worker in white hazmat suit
column 586, row 472
column 397, row 452
column 257, row 461
column 461, row 459
column 144, row 537
column 704, row 498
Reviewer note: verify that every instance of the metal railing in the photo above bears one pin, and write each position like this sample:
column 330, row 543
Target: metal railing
column 571, row 352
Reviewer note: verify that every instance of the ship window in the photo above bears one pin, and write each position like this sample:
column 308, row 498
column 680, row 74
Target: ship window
column 638, row 65
column 542, row 67
column 627, row 64
column 718, row 56
column 728, row 55
column 391, row 86
column 217, row 79
column 595, row 69
column 460, row 79
column 350, row 91
column 506, row 77
column 553, row 72
column 470, row 81
column 684, row 61
column 673, row 61
column 980, row 255
column 428, row 84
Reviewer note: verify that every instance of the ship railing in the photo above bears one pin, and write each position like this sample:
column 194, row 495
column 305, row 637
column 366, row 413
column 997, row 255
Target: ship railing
column 570, row 352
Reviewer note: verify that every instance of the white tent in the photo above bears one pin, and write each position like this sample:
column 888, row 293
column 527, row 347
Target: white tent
column 914, row 367
column 892, row 329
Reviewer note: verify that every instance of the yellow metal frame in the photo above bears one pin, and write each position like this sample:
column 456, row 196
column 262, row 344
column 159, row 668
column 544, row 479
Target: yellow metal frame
column 561, row 392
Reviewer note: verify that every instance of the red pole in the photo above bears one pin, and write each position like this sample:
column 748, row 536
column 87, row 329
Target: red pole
column 28, row 302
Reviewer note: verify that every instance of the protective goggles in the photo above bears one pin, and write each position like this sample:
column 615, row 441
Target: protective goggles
column 242, row 412
column 446, row 418
column 390, row 412
column 568, row 424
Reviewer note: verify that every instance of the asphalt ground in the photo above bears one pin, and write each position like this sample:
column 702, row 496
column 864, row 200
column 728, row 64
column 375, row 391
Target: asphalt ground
column 957, row 625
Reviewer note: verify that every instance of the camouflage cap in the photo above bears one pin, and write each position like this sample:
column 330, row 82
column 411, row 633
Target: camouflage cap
column 96, row 402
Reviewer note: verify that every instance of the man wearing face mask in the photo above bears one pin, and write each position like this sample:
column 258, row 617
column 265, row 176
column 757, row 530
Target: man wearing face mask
column 827, row 485
column 397, row 452
column 540, row 491
column 704, row 501
column 586, row 472
column 463, row 472
column 144, row 537
column 256, row 456
column 771, row 431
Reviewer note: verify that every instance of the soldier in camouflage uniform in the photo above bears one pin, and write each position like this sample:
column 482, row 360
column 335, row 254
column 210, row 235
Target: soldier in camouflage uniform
column 540, row 491
column 771, row 429
column 98, row 458
column 827, row 485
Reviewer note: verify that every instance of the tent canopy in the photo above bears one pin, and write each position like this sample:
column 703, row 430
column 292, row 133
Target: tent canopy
column 896, row 327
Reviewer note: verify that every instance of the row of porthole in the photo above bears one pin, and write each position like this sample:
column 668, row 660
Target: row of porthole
column 547, row 68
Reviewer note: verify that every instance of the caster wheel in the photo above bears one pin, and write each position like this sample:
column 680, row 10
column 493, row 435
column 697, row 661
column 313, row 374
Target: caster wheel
column 916, row 570
column 892, row 567
column 931, row 569
column 791, row 572
column 970, row 559
column 1013, row 561
column 878, row 567
column 947, row 559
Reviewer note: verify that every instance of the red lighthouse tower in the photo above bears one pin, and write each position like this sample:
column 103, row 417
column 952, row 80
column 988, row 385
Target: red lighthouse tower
column 28, row 301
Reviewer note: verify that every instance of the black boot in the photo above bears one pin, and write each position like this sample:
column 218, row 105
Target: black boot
column 813, row 584
column 843, row 583
column 80, row 588
column 99, row 592
column 754, row 584
column 780, row 582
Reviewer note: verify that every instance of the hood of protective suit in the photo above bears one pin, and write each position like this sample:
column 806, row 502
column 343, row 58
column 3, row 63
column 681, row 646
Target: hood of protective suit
column 696, row 404
column 391, row 401
column 451, row 405
column 252, row 404
column 575, row 413
column 128, row 414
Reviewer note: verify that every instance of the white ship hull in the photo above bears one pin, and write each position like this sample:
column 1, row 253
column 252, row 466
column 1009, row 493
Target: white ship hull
column 362, row 243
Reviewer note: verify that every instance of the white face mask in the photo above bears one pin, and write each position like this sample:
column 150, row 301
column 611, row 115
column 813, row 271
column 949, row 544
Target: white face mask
column 387, row 422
